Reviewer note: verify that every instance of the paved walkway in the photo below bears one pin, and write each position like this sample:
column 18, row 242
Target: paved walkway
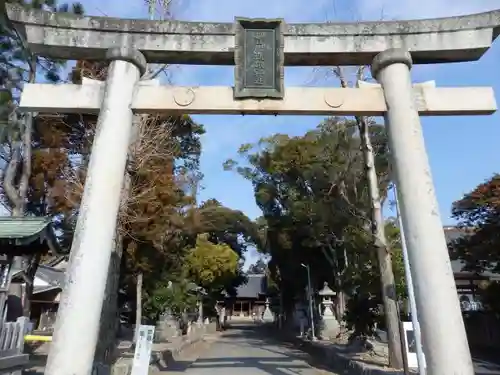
column 247, row 351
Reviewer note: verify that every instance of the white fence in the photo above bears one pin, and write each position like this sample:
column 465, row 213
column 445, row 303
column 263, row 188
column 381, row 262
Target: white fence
column 12, row 358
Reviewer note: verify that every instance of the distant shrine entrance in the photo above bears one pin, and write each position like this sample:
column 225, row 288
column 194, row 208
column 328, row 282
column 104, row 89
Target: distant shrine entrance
column 259, row 49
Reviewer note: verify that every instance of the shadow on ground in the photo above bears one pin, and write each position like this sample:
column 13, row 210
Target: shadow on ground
column 264, row 336
column 287, row 360
column 37, row 364
column 270, row 365
column 284, row 357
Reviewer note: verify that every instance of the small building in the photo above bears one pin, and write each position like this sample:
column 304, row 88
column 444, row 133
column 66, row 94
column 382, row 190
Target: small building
column 21, row 236
column 467, row 282
column 47, row 287
column 482, row 326
column 250, row 297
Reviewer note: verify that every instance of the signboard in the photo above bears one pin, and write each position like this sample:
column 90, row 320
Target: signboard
column 471, row 306
column 143, row 347
column 468, row 303
column 410, row 345
column 259, row 57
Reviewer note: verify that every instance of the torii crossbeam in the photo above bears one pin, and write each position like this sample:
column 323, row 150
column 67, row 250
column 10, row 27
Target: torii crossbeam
column 87, row 98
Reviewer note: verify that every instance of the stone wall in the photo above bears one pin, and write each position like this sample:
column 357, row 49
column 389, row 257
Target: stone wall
column 338, row 359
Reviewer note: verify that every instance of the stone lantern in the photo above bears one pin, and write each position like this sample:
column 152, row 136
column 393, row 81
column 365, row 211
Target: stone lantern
column 330, row 323
column 268, row 315
column 201, row 293
column 327, row 294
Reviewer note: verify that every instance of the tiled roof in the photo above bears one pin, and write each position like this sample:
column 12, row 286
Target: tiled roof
column 255, row 286
column 21, row 227
column 452, row 233
column 53, row 277
column 56, row 260
column 26, row 230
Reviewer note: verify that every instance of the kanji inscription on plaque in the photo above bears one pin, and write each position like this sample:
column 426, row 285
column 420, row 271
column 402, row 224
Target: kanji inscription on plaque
column 259, row 59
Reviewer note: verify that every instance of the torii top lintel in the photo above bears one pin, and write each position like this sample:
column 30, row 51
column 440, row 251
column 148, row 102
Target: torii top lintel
column 440, row 40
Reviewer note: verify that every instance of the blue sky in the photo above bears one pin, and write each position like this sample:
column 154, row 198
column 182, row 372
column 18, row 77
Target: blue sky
column 463, row 151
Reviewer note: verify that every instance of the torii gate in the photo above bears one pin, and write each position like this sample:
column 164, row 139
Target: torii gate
column 389, row 47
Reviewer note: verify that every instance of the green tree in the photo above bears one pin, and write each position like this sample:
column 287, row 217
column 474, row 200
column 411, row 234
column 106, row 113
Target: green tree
column 478, row 216
column 316, row 206
column 393, row 235
column 488, row 293
column 226, row 225
column 18, row 66
column 176, row 297
column 210, row 265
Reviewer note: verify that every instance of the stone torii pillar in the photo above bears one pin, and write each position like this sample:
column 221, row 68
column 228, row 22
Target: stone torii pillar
column 77, row 326
column 445, row 340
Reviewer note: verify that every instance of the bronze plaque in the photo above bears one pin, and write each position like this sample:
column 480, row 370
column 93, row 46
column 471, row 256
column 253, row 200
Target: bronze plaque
column 259, row 59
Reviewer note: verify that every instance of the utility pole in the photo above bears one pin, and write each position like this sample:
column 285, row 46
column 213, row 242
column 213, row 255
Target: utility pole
column 411, row 292
column 309, row 293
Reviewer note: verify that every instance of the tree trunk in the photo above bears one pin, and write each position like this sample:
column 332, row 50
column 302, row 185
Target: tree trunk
column 341, row 299
column 21, row 160
column 384, row 256
column 340, row 305
column 138, row 306
column 377, row 230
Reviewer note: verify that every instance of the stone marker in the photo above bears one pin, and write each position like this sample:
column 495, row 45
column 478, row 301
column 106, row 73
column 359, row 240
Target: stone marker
column 143, row 348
